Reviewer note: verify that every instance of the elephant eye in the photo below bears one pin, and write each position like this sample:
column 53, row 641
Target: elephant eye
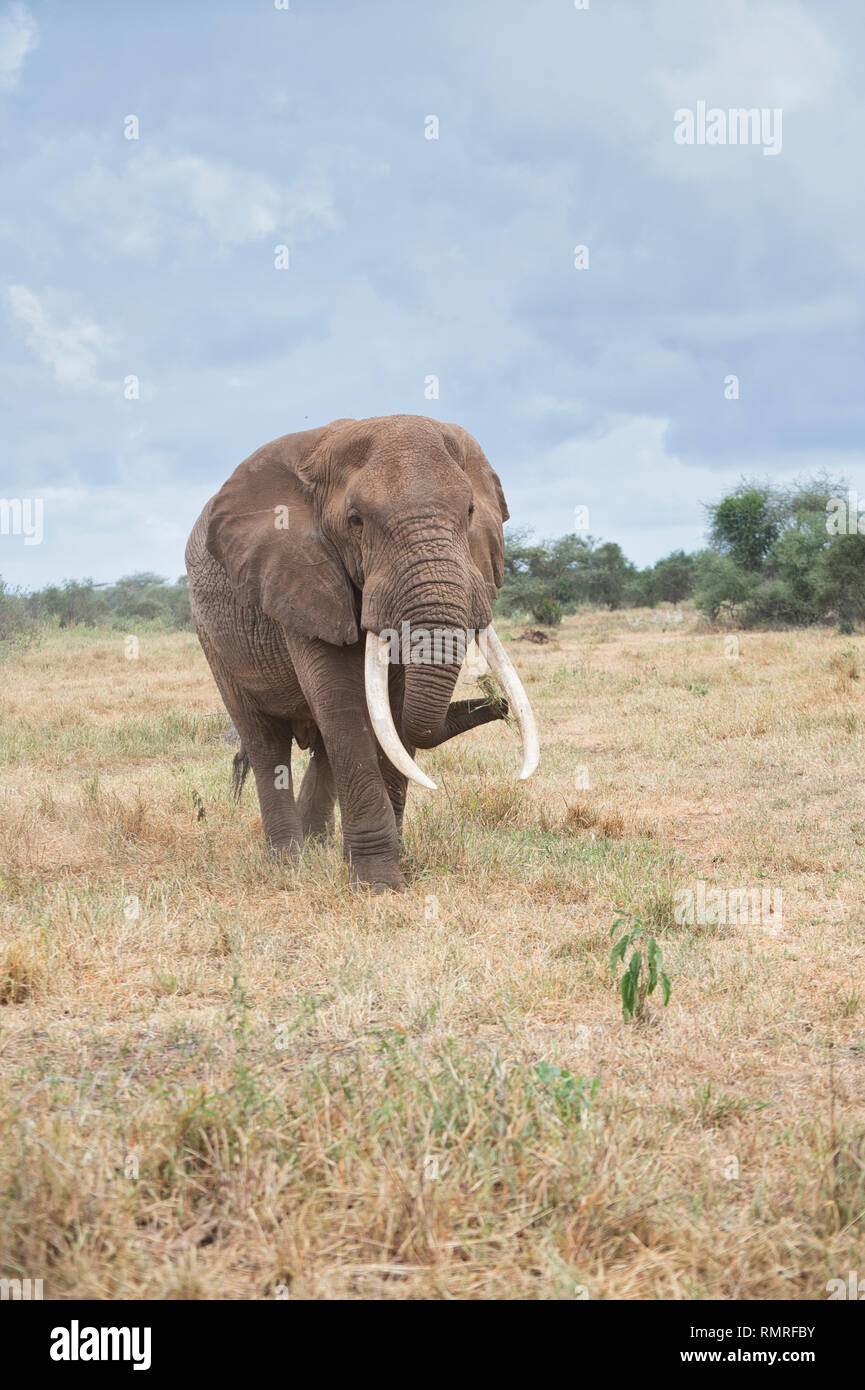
column 471, row 509
column 355, row 520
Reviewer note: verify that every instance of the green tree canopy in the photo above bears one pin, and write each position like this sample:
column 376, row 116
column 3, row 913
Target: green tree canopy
column 745, row 524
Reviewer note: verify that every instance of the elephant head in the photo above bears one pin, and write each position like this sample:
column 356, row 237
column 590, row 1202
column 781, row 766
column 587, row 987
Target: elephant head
column 364, row 526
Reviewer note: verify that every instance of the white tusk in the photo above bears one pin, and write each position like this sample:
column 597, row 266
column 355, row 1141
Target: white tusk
column 378, row 704
column 502, row 666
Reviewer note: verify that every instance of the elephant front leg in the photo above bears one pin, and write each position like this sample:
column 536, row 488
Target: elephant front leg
column 333, row 685
column 397, row 789
column 395, row 781
column 369, row 828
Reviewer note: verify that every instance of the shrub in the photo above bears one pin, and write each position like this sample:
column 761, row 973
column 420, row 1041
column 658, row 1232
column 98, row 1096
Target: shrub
column 144, row 597
column 775, row 563
column 840, row 580
column 17, row 628
column 721, row 585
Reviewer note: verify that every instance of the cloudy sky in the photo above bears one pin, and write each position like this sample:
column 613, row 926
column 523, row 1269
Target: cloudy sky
column 413, row 258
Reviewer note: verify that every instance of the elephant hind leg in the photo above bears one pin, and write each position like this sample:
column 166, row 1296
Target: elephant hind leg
column 317, row 793
column 267, row 746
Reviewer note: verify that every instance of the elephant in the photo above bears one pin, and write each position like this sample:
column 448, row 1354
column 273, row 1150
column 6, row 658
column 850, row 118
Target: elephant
column 318, row 548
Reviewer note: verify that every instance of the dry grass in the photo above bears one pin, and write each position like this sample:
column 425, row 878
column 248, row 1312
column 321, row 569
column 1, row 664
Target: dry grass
column 221, row 1078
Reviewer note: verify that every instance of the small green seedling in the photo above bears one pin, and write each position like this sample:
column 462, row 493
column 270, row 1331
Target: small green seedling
column 572, row 1094
column 640, row 978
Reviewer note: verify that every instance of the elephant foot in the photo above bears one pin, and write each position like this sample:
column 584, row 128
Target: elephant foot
column 394, row 884
column 378, row 877
column 318, row 833
column 288, row 853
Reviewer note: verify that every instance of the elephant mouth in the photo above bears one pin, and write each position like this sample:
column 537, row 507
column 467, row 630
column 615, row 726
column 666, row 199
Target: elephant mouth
column 377, row 660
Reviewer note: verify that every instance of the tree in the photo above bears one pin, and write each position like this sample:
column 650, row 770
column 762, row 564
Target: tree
column 673, row 578
column 607, row 574
column 71, row 603
column 555, row 577
column 17, row 628
column 840, row 580
column 775, row 561
column 745, row 524
column 149, row 596
column 721, row 584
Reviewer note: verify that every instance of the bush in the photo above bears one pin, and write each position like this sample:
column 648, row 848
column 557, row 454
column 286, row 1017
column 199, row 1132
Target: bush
column 149, row 597
column 71, row 603
column 17, row 628
column 556, row 577
column 546, row 611
column 673, row 578
column 775, row 603
column 144, row 597
column 640, row 589
column 775, row 562
column 721, row 585
column 840, row 580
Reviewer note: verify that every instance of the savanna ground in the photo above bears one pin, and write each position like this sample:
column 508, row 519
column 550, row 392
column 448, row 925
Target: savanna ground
column 222, row 1078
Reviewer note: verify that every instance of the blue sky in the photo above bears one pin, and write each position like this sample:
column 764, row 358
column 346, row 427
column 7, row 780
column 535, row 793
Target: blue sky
column 412, row 257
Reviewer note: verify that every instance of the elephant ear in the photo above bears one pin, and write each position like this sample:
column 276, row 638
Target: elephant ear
column 486, row 540
column 263, row 529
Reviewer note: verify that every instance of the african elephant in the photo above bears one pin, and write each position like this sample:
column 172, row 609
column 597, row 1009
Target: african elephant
column 316, row 546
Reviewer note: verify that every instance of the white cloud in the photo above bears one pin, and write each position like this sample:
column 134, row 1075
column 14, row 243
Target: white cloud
column 72, row 349
column 622, row 71
column 540, row 405
column 187, row 199
column 19, row 35
column 765, row 55
column 739, row 325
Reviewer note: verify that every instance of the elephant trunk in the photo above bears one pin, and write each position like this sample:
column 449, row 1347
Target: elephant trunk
column 424, row 603
column 437, row 627
column 428, row 691
column 430, row 699
column 426, row 707
column 436, row 607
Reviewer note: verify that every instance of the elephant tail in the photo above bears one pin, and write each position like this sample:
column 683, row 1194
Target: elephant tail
column 239, row 772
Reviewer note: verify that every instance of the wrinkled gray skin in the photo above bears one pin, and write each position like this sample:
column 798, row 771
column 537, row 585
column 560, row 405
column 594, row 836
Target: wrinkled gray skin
column 316, row 539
